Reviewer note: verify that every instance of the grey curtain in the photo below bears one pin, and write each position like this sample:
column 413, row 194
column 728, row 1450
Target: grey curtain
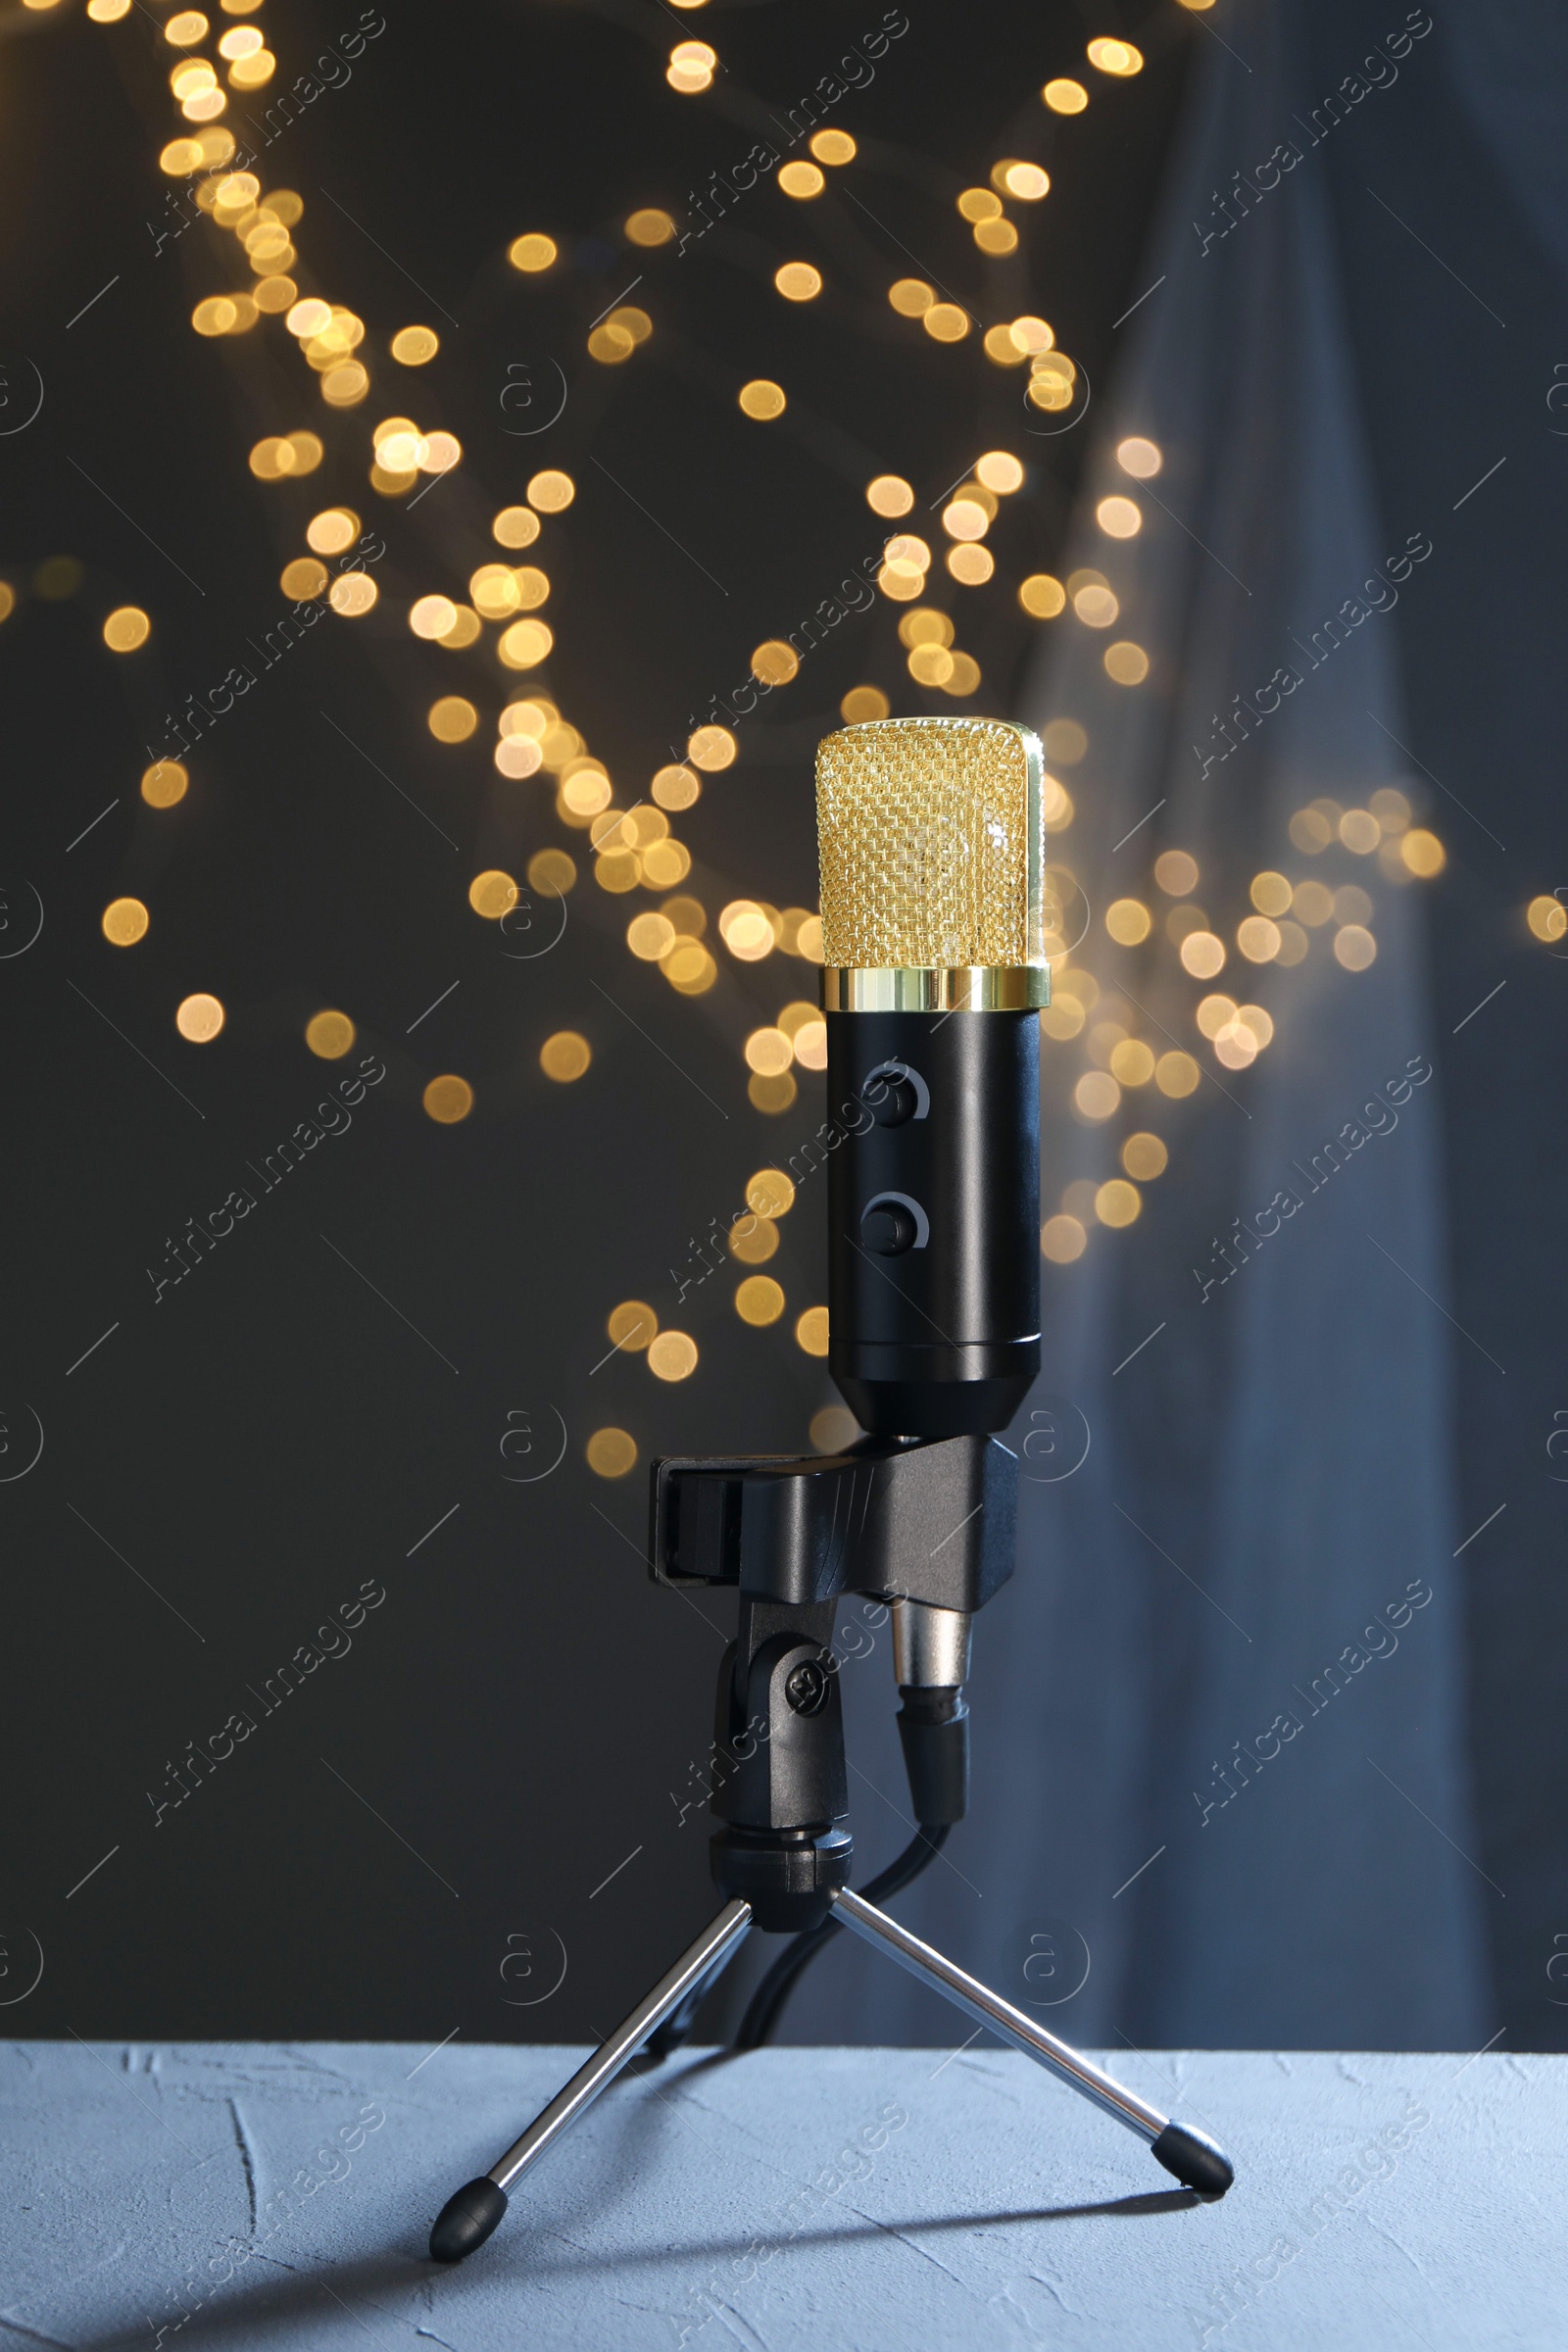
column 1220, row 1791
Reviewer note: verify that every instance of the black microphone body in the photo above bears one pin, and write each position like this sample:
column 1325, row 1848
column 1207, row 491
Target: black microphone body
column 934, row 1240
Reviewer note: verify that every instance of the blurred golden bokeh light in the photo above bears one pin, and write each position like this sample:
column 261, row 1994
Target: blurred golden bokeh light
column 1144, row 1156
column 332, row 530
column 1139, row 458
column 1126, row 663
column 769, row 1051
column 1119, row 58
column 770, row 1192
column 163, row 783
column 517, row 756
column 612, row 1453
column 999, row 470
column 1176, row 1074
column 811, row 1331
column 711, row 749
column 198, row 1019
column 1117, row 1202
column 691, row 67
column 746, row 930
column 447, row 1100
column 650, row 937
column 127, row 628
column 1177, row 875
column 1203, row 953
column 1423, row 853
column 1258, row 939
column 125, row 921
column 774, row 662
column 1097, row 1096
column 965, row 518
column 452, row 720
column 1354, row 946
column 492, row 894
column 761, row 399
column 650, row 225
column 551, row 492
column 1131, row 1062
column 752, row 1239
column 432, row 616
column 632, row 1325
column 1042, row 596
column 552, row 871
column 1062, row 1239
column 1096, row 605
column 329, row 1035
column 524, row 644
column 971, row 567
column 889, row 494
column 515, row 526
column 565, row 1057
column 303, row 579
column 1128, row 921
column 672, row 1355
column 351, row 595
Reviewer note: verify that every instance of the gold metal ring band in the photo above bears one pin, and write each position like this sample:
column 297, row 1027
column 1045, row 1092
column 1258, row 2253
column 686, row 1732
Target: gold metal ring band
column 924, row 988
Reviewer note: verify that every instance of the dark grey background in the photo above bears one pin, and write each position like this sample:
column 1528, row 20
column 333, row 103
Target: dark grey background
column 270, row 1435
column 523, row 1704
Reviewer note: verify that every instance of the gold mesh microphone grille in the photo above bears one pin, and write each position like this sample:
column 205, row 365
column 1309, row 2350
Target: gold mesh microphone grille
column 931, row 844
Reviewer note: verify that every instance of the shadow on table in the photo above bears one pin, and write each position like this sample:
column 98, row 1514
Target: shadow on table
column 861, row 2225
column 388, row 2286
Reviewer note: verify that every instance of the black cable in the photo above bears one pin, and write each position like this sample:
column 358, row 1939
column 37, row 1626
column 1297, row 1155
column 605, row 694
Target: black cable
column 766, row 2005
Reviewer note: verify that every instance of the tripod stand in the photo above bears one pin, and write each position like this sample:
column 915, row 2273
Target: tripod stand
column 929, row 1526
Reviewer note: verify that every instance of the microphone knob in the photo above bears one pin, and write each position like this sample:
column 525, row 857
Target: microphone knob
column 897, row 1101
column 888, row 1229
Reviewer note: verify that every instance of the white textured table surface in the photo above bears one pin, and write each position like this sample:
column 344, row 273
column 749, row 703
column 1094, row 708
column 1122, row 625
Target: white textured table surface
column 266, row 2196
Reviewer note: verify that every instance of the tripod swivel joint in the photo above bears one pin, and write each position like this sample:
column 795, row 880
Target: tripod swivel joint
column 789, row 1877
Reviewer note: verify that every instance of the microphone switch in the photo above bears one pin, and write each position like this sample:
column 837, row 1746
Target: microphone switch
column 889, row 1228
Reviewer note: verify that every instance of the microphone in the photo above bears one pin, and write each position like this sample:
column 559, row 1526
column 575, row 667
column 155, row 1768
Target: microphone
column 931, row 846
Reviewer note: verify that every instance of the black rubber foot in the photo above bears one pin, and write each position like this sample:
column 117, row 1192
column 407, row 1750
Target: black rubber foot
column 467, row 2220
column 1196, row 2161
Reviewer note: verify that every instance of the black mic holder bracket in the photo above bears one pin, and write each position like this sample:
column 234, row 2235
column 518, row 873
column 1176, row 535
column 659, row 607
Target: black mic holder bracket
column 928, row 1523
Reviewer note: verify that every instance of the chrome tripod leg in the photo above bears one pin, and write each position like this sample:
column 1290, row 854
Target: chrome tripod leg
column 1195, row 2159
column 467, row 2220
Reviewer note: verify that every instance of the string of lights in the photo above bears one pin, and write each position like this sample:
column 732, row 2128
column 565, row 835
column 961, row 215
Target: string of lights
column 629, row 842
